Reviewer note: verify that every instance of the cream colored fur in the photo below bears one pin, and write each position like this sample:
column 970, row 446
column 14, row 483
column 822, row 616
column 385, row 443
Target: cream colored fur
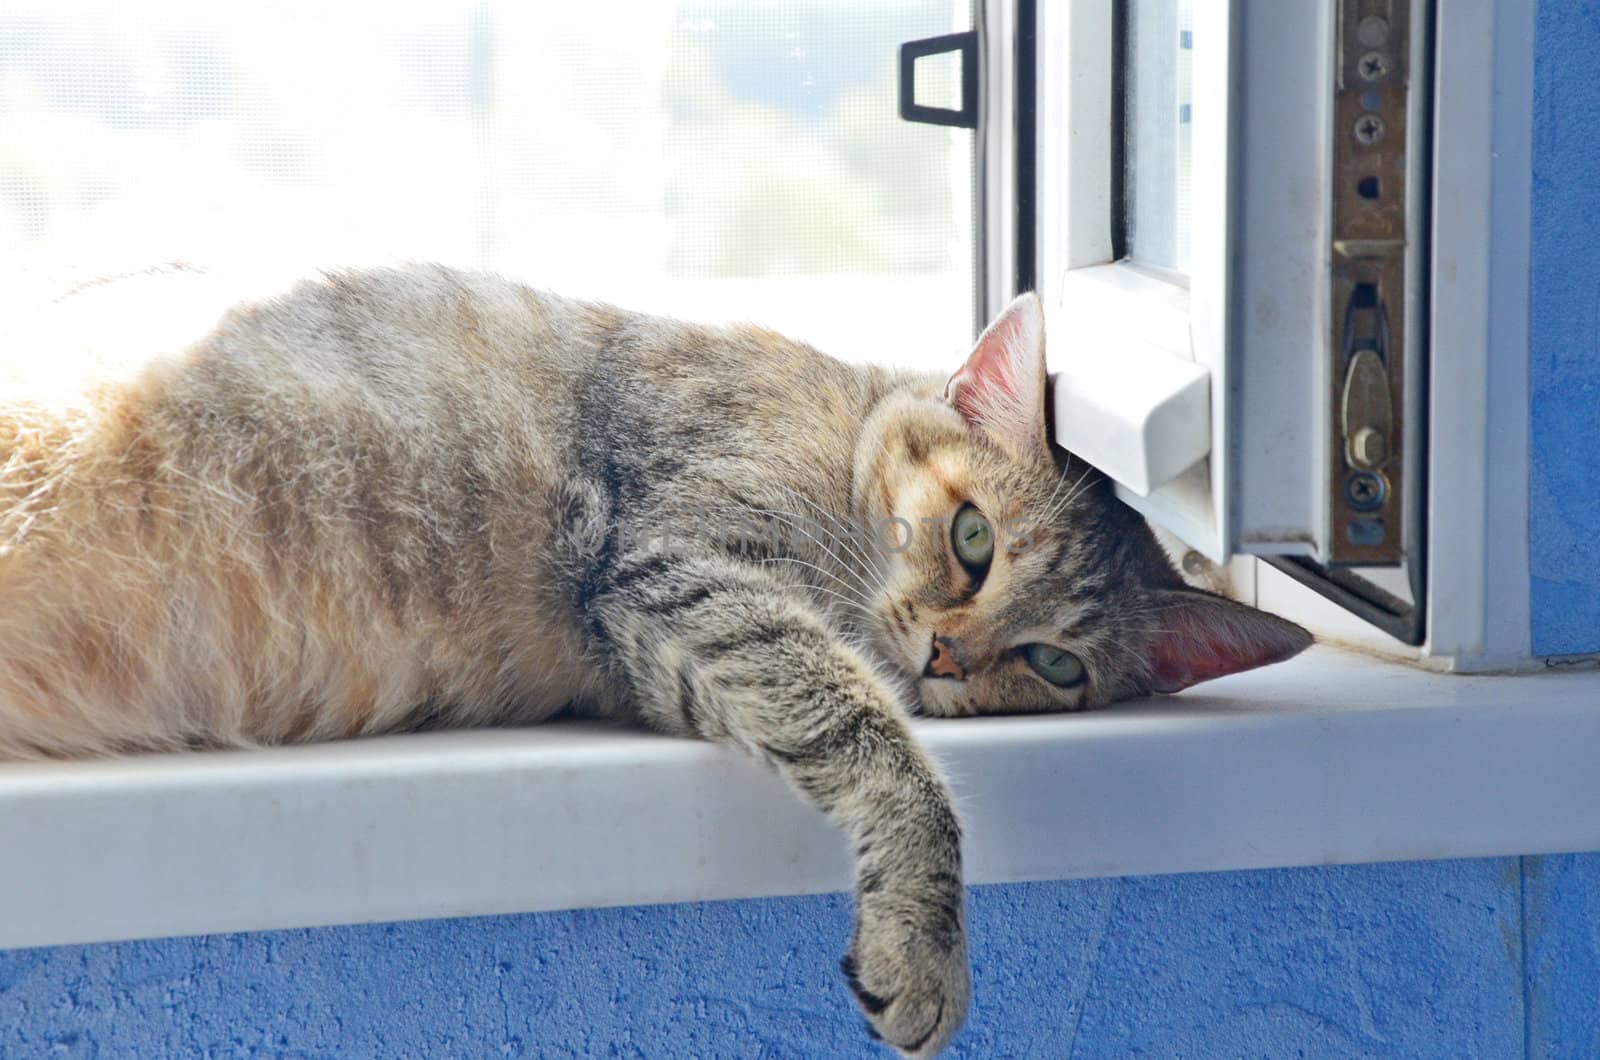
column 188, row 555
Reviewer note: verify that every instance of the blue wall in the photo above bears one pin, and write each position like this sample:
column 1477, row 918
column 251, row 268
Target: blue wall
column 1486, row 958
column 1460, row 958
column 1564, row 492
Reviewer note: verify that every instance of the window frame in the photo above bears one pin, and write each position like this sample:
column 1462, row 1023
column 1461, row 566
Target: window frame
column 1080, row 277
column 1471, row 179
column 1478, row 573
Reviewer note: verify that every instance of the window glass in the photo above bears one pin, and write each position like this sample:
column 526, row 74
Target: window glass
column 1158, row 109
column 712, row 159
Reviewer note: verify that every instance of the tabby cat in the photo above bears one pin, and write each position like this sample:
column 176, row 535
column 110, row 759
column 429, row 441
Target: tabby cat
column 416, row 497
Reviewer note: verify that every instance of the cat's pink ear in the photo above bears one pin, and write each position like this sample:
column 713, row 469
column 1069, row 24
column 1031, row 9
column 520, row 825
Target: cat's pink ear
column 1205, row 636
column 1000, row 390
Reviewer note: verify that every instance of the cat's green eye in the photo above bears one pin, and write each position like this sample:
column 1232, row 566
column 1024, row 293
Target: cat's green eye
column 1061, row 668
column 973, row 539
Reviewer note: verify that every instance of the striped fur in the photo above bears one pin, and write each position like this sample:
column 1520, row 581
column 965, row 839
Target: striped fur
column 408, row 498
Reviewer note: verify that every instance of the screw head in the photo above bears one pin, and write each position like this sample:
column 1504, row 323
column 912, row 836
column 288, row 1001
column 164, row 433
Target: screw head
column 1365, row 491
column 1373, row 66
column 1369, row 129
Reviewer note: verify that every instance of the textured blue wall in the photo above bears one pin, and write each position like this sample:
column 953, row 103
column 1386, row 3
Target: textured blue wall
column 1564, row 491
column 1461, row 958
column 1561, row 923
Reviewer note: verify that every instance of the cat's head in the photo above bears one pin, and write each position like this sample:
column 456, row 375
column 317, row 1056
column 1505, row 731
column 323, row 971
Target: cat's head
column 1013, row 578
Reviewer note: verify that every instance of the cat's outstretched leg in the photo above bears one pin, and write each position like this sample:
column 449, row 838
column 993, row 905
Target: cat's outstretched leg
column 714, row 649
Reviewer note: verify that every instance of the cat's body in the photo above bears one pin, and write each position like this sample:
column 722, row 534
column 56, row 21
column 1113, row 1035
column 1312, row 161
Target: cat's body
column 408, row 498
column 369, row 505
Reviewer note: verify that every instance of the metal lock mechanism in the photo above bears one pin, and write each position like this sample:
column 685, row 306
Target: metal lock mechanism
column 1368, row 552
column 1367, row 422
column 1368, row 283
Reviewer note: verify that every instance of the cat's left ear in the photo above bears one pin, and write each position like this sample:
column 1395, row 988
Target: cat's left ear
column 1205, row 636
column 1000, row 390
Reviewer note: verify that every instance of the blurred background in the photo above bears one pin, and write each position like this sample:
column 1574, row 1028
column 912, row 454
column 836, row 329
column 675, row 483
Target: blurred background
column 709, row 159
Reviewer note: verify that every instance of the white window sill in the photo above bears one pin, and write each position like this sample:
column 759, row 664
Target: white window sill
column 1331, row 758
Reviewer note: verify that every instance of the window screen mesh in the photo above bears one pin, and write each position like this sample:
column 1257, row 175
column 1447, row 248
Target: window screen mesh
column 708, row 158
column 1158, row 96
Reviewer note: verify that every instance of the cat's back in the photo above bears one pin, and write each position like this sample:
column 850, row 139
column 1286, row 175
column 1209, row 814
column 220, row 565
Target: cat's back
column 298, row 513
column 374, row 333
column 261, row 511
column 419, row 348
column 408, row 376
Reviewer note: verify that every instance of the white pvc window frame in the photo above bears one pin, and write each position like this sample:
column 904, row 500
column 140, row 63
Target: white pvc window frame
column 1126, row 343
column 1478, row 583
column 1257, row 303
column 1477, row 586
column 1215, row 425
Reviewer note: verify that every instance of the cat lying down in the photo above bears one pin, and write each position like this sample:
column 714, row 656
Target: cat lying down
column 407, row 498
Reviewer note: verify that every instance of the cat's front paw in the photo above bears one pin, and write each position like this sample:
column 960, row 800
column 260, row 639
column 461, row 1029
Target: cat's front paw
column 908, row 970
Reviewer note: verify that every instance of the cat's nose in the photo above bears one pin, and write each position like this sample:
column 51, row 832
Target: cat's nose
column 942, row 663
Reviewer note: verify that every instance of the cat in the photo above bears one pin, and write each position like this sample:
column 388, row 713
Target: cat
column 415, row 497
